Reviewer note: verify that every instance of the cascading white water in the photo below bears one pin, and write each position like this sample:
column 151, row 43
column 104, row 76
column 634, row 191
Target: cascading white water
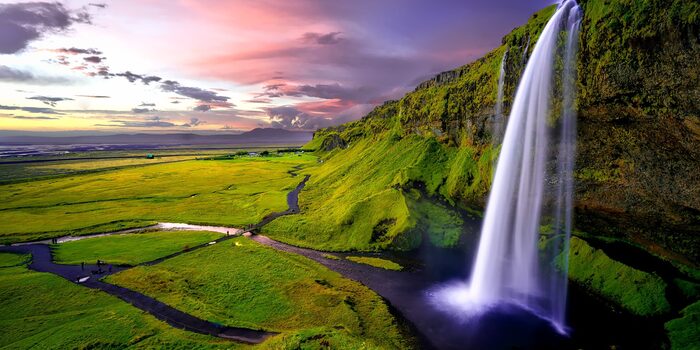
column 527, row 47
column 564, row 200
column 509, row 266
column 498, row 118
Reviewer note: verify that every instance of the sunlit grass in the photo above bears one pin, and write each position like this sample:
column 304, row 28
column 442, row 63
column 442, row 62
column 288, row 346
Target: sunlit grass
column 376, row 262
column 43, row 311
column 218, row 192
column 130, row 249
column 243, row 283
column 637, row 291
column 362, row 198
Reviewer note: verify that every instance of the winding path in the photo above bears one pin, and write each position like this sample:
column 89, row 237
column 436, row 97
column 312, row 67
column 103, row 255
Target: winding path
column 42, row 262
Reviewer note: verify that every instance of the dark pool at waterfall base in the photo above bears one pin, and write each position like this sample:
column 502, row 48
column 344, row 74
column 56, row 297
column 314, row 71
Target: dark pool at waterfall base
column 592, row 322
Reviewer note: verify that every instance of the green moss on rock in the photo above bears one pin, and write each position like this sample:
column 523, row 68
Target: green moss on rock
column 639, row 292
column 684, row 332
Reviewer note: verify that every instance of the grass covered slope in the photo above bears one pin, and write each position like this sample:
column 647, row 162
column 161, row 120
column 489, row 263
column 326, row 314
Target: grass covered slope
column 242, row 283
column 640, row 292
column 130, row 249
column 363, row 197
column 219, row 192
column 684, row 332
column 376, row 262
column 43, row 311
column 435, row 139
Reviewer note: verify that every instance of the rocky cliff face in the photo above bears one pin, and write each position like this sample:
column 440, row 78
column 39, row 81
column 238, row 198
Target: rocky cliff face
column 638, row 161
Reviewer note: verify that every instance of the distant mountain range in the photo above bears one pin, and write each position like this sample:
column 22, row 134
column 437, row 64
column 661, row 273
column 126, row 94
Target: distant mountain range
column 259, row 136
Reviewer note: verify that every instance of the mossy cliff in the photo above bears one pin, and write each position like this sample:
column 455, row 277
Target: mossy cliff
column 638, row 135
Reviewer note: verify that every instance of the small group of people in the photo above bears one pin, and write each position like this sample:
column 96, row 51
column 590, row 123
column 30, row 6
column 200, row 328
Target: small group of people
column 54, row 240
column 99, row 264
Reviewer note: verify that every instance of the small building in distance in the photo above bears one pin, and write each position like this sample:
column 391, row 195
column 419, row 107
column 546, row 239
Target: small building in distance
column 150, row 156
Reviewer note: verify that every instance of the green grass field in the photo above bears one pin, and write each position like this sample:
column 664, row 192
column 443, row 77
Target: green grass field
column 130, row 249
column 43, row 311
column 51, row 166
column 376, row 262
column 243, row 283
column 218, row 192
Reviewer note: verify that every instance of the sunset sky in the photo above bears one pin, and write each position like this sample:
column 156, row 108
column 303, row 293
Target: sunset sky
column 207, row 65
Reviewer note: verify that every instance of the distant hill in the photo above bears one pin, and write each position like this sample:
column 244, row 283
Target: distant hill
column 259, row 136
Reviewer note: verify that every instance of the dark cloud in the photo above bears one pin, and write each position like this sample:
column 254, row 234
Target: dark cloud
column 322, row 39
column 194, row 92
column 13, row 75
column 93, row 59
column 35, row 118
column 202, row 108
column 259, row 100
column 51, row 101
column 323, row 91
column 194, row 122
column 93, row 96
column 131, row 77
column 22, row 23
column 42, row 110
column 99, row 5
column 175, row 102
column 153, row 122
column 144, row 104
column 149, row 79
column 142, row 110
column 77, row 51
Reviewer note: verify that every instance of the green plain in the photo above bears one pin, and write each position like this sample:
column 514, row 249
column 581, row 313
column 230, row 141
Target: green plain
column 44, row 311
column 130, row 249
column 233, row 192
column 243, row 283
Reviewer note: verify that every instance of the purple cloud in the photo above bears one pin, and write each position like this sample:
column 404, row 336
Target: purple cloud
column 13, row 75
column 202, row 108
column 42, row 110
column 22, row 23
column 77, row 51
column 322, row 39
column 93, row 59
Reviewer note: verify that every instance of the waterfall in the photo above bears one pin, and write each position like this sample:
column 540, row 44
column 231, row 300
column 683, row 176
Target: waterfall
column 523, row 58
column 509, row 265
column 498, row 119
column 564, row 200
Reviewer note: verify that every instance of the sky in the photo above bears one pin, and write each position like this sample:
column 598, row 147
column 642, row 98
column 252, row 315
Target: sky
column 230, row 66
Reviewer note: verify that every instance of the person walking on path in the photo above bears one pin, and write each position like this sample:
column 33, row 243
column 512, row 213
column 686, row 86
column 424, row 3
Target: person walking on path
column 109, row 267
column 82, row 266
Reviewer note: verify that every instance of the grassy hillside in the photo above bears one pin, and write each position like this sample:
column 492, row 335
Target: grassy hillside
column 638, row 138
column 242, row 283
column 636, row 172
column 364, row 197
